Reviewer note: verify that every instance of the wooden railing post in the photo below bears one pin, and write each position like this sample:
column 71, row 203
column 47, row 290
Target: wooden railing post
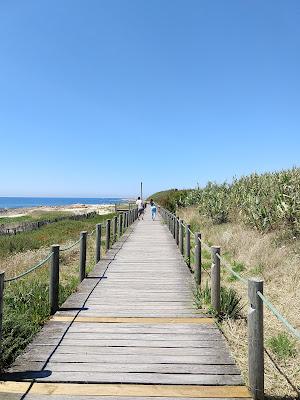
column 124, row 225
column 82, row 255
column 181, row 236
column 188, row 244
column 174, row 227
column 54, row 279
column 98, row 242
column 2, row 276
column 115, row 228
column 177, row 231
column 107, row 236
column 256, row 339
column 198, row 261
column 120, row 224
column 215, row 279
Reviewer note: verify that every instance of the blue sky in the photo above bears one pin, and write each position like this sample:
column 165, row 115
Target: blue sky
column 96, row 95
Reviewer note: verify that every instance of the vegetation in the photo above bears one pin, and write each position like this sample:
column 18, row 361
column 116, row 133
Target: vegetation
column 230, row 305
column 265, row 202
column 282, row 346
column 251, row 253
column 171, row 199
column 34, row 217
column 47, row 235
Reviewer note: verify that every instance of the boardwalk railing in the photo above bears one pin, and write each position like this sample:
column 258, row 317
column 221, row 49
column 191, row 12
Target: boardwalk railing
column 119, row 225
column 182, row 235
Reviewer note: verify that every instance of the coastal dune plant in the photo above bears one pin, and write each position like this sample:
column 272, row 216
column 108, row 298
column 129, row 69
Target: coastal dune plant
column 265, row 202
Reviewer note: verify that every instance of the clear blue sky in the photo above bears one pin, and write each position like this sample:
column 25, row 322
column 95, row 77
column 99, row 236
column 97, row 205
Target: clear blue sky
column 96, row 95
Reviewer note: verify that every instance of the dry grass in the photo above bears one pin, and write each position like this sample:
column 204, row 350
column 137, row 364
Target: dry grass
column 278, row 263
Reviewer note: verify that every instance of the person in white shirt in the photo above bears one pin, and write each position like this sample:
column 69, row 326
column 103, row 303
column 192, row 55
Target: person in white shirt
column 140, row 206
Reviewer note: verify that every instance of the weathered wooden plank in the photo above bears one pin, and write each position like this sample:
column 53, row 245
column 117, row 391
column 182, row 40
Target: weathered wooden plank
column 154, row 378
column 60, row 356
column 35, row 367
column 139, row 390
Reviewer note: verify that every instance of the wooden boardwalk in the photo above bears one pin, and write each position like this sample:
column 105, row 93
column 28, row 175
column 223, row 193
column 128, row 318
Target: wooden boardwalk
column 130, row 331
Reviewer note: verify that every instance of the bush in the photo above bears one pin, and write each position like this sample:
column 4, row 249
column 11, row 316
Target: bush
column 171, row 199
column 265, row 202
column 230, row 305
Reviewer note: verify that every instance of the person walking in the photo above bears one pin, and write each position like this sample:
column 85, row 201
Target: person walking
column 153, row 209
column 140, row 207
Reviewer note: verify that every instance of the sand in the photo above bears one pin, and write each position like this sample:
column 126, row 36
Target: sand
column 75, row 209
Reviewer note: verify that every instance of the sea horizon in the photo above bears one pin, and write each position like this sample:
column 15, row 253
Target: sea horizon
column 8, row 202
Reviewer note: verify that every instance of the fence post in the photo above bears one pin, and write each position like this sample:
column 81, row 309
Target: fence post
column 54, row 279
column 120, row 224
column 82, row 255
column 181, row 236
column 115, row 228
column 256, row 339
column 174, row 227
column 2, row 275
column 176, row 231
column 198, row 261
column 215, row 279
column 107, row 238
column 98, row 242
column 188, row 244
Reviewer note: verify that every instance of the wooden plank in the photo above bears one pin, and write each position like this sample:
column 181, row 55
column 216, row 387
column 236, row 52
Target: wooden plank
column 139, row 390
column 140, row 378
column 35, row 367
column 175, row 320
column 128, row 358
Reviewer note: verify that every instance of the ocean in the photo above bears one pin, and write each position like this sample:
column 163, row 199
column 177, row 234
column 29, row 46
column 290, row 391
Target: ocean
column 19, row 202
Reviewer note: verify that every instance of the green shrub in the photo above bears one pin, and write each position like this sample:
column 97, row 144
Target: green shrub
column 230, row 302
column 265, row 202
column 170, row 199
column 282, row 346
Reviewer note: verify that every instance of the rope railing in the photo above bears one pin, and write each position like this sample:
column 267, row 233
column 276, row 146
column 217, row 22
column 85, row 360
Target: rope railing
column 255, row 294
column 279, row 316
column 231, row 271
column 121, row 223
column 70, row 246
column 35, row 267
